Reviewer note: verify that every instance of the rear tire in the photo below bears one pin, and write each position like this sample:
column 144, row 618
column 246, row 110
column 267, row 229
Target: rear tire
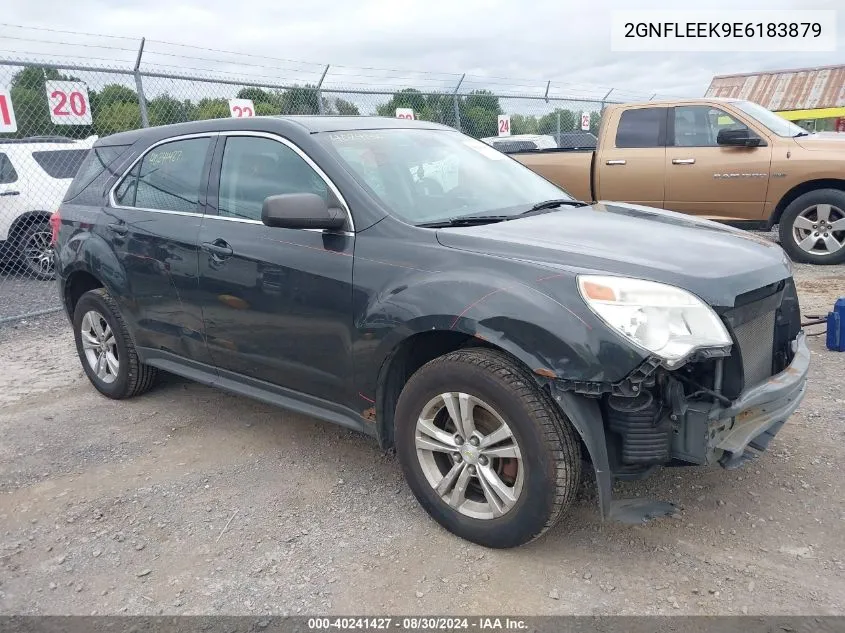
column 812, row 227
column 35, row 251
column 536, row 463
column 106, row 349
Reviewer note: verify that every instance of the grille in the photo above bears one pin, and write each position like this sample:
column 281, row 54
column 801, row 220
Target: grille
column 756, row 340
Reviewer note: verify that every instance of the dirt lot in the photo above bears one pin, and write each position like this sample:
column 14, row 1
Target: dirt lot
column 190, row 501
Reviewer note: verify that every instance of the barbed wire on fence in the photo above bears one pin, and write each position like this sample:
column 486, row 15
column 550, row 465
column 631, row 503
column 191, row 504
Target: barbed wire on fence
column 58, row 94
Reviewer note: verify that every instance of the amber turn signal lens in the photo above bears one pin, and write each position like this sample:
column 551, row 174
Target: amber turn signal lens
column 598, row 292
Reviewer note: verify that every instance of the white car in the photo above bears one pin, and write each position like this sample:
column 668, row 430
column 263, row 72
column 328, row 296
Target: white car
column 521, row 142
column 35, row 174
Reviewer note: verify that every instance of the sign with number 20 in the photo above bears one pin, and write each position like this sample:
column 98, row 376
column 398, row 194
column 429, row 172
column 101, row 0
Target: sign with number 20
column 68, row 102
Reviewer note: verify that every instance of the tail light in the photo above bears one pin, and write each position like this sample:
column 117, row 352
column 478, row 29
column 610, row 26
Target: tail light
column 55, row 223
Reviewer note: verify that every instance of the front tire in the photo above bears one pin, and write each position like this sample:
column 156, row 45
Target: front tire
column 106, row 349
column 812, row 227
column 485, row 451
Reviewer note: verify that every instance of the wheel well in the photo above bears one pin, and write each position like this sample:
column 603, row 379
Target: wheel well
column 78, row 284
column 25, row 220
column 411, row 354
column 800, row 190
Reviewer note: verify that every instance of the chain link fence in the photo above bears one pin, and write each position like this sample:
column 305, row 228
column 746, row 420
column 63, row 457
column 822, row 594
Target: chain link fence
column 52, row 113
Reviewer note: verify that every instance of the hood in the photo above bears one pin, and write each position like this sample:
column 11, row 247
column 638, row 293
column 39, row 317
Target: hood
column 823, row 141
column 711, row 260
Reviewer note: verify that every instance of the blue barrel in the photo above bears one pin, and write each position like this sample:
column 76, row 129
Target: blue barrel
column 836, row 327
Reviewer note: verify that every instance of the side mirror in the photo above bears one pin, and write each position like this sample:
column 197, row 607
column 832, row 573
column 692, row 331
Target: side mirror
column 301, row 211
column 738, row 138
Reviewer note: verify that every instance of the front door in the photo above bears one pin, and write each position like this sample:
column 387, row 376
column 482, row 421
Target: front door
column 630, row 167
column 153, row 227
column 704, row 178
column 277, row 303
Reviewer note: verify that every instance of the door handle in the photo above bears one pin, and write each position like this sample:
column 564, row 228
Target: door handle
column 616, row 162
column 683, row 161
column 118, row 227
column 218, row 248
column 10, row 193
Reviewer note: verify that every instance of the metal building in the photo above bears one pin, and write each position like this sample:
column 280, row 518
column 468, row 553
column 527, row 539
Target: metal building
column 812, row 97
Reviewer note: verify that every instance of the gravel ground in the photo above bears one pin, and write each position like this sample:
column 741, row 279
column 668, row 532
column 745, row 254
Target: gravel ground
column 24, row 295
column 191, row 501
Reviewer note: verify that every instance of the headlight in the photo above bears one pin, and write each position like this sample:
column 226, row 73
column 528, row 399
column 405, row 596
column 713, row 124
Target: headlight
column 665, row 320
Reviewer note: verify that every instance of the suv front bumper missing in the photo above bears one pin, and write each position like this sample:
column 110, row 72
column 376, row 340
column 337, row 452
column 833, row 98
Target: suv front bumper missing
column 746, row 427
column 707, row 434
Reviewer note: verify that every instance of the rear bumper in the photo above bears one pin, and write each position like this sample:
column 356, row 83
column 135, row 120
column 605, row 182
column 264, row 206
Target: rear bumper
column 759, row 412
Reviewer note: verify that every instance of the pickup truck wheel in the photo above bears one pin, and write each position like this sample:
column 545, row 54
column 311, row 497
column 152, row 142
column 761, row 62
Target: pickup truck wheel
column 485, row 451
column 105, row 348
column 812, row 228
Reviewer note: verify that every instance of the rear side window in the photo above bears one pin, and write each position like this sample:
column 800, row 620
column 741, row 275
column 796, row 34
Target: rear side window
column 7, row 171
column 643, row 127
column 60, row 163
column 168, row 178
column 99, row 162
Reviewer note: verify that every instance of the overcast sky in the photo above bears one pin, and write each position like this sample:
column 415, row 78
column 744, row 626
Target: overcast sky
column 527, row 41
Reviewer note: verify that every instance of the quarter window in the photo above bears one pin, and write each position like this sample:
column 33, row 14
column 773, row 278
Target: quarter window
column 699, row 126
column 8, row 174
column 255, row 168
column 168, row 178
column 642, row 127
column 63, row 163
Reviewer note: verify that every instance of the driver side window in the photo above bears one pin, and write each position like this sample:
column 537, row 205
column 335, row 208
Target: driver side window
column 255, row 168
column 699, row 126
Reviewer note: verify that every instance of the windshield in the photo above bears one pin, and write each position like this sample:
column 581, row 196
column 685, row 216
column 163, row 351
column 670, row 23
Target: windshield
column 775, row 123
column 424, row 176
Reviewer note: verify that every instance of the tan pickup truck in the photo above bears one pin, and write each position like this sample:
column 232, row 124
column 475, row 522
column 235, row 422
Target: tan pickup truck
column 728, row 160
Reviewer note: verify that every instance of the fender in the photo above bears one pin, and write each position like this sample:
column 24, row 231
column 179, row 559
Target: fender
column 518, row 314
column 86, row 251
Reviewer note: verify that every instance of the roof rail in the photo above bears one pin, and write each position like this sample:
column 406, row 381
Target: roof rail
column 39, row 139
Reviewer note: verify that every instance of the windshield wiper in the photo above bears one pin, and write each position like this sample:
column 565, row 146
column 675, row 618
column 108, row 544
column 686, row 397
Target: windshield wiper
column 466, row 220
column 553, row 204
column 801, row 134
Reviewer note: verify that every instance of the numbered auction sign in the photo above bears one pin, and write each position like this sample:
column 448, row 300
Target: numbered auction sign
column 405, row 113
column 585, row 120
column 240, row 108
column 7, row 113
column 68, row 102
column 504, row 125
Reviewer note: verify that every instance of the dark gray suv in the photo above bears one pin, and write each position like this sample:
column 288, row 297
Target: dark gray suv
column 407, row 281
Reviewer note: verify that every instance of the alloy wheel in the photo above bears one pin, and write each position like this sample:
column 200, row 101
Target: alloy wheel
column 469, row 455
column 100, row 346
column 820, row 229
column 38, row 253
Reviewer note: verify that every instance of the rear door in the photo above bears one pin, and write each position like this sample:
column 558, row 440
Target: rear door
column 277, row 302
column 704, row 178
column 152, row 224
column 12, row 200
column 630, row 167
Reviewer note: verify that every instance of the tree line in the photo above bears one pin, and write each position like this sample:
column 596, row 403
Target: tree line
column 115, row 108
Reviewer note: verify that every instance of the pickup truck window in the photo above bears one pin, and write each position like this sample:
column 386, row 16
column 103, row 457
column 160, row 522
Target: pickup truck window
column 255, row 168
column 642, row 127
column 699, row 126
column 429, row 175
column 776, row 124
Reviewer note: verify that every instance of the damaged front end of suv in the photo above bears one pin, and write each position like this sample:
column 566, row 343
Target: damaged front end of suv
column 716, row 386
